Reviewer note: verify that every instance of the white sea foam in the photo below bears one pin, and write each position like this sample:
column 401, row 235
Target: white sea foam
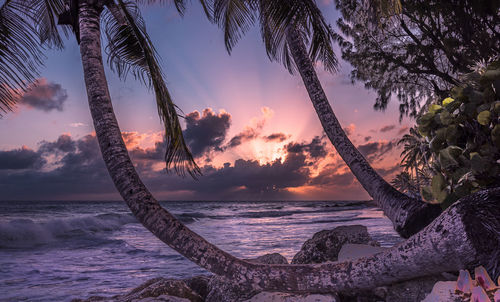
column 21, row 233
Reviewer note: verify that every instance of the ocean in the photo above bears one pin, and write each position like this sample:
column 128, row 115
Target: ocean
column 57, row 251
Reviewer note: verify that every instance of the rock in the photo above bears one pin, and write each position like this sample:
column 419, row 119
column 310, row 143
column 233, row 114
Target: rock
column 274, row 258
column 325, row 245
column 157, row 289
column 350, row 251
column 162, row 298
column 284, row 297
column 412, row 290
column 161, row 286
column 199, row 284
column 443, row 291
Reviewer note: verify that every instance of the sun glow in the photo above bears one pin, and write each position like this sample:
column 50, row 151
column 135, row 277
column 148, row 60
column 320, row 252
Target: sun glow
column 266, row 152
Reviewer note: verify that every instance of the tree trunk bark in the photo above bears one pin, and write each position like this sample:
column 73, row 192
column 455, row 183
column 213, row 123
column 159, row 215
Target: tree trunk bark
column 453, row 241
column 408, row 215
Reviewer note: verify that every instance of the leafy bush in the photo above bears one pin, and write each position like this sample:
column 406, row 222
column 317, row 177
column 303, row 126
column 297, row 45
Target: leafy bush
column 463, row 133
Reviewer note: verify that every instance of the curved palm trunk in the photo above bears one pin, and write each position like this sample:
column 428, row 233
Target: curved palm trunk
column 446, row 238
column 140, row 201
column 408, row 215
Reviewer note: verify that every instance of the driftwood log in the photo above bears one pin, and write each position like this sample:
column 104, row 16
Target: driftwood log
column 463, row 236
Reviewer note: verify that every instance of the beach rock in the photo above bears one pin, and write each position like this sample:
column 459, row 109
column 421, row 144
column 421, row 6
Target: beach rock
column 443, row 291
column 325, row 245
column 157, row 289
column 284, row 297
column 199, row 284
column 161, row 286
column 274, row 258
column 162, row 298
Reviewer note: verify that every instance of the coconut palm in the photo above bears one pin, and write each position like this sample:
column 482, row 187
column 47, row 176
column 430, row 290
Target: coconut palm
column 131, row 50
column 295, row 33
column 416, row 154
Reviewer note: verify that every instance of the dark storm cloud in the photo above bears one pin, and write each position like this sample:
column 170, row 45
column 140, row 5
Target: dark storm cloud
column 18, row 159
column 155, row 154
column 387, row 128
column 316, row 148
column 375, row 150
column 279, row 137
column 63, row 144
column 206, row 132
column 330, row 177
column 244, row 136
column 245, row 179
column 45, row 96
column 78, row 171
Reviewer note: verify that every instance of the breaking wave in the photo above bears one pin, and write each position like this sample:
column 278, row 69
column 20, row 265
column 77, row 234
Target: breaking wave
column 23, row 233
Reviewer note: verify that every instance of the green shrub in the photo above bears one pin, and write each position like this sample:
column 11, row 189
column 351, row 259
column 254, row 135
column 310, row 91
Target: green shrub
column 463, row 133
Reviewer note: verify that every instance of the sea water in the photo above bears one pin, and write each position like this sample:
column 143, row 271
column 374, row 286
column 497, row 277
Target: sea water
column 57, row 251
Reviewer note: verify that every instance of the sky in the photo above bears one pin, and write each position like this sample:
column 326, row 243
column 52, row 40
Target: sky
column 249, row 123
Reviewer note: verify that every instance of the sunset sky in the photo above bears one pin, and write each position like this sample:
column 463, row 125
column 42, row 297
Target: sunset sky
column 249, row 123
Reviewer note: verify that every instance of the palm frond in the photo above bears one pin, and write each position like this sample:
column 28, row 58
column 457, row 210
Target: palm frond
column 130, row 50
column 235, row 17
column 46, row 12
column 20, row 52
column 275, row 17
column 180, row 5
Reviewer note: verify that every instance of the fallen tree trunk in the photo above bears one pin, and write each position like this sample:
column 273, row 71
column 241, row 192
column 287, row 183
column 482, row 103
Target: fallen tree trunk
column 464, row 236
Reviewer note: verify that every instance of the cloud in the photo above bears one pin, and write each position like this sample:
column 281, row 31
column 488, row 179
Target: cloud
column 80, row 171
column 64, row 143
column 279, row 137
column 350, row 129
column 132, row 139
column 316, row 148
column 17, row 159
column 367, row 138
column 76, row 125
column 45, row 96
column 375, row 150
column 207, row 131
column 387, row 128
column 252, row 131
column 330, row 177
column 244, row 136
column 403, row 130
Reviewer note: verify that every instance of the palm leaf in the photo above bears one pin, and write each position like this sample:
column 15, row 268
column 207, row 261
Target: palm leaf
column 131, row 51
column 45, row 15
column 275, row 17
column 20, row 52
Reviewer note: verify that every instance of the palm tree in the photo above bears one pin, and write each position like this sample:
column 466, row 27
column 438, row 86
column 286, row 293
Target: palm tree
column 416, row 155
column 286, row 27
column 131, row 49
